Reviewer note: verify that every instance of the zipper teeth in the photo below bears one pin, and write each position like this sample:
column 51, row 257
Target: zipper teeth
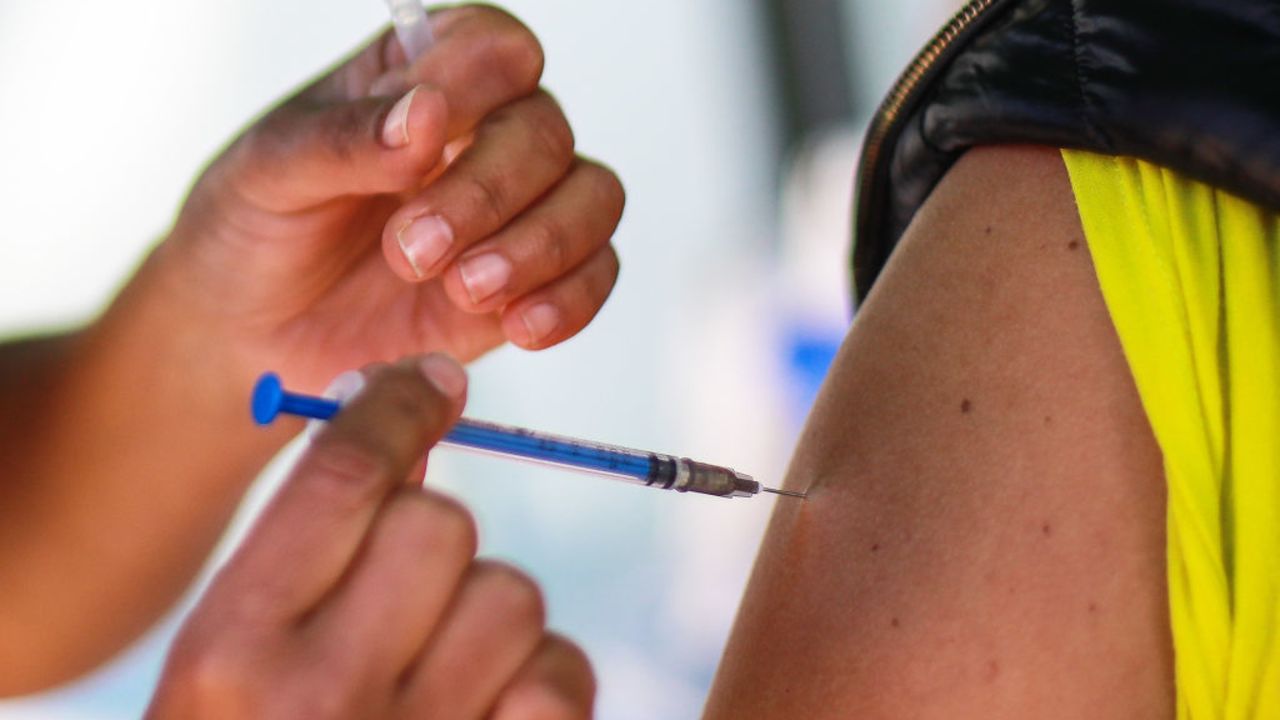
column 907, row 83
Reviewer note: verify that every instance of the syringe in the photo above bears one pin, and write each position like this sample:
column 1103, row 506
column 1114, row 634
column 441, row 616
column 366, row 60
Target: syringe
column 413, row 29
column 651, row 469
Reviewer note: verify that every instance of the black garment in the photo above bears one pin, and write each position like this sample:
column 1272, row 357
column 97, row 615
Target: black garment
column 1192, row 85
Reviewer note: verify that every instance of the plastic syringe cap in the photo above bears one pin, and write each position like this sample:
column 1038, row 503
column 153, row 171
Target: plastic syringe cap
column 267, row 396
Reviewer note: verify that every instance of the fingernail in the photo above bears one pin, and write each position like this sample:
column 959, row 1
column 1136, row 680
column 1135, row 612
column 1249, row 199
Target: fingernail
column 445, row 373
column 540, row 321
column 395, row 131
column 424, row 242
column 484, row 275
column 343, row 388
column 346, row 386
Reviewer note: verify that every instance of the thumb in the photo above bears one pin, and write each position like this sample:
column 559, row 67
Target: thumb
column 303, row 153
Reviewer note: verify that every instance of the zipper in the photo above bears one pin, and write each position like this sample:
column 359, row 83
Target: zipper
column 885, row 124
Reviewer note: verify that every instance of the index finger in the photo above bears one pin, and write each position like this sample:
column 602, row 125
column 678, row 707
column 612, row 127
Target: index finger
column 483, row 58
column 309, row 534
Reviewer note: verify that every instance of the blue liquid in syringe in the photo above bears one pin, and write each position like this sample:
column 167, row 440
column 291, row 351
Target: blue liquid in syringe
column 550, row 449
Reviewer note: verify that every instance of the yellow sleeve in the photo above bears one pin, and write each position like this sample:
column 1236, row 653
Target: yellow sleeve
column 1190, row 277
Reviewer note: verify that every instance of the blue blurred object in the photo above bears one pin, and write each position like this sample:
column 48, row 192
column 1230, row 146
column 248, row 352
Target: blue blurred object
column 809, row 356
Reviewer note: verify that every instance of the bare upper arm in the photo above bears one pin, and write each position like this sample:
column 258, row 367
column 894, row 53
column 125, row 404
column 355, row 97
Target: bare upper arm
column 985, row 530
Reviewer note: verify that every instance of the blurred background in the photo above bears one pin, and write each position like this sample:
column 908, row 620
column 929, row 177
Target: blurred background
column 734, row 124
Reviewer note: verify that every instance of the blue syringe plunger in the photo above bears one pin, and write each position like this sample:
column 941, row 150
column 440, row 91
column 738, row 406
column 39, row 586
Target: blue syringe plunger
column 270, row 399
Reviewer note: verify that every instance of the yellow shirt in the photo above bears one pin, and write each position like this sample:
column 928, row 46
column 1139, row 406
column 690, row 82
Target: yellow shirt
column 1191, row 277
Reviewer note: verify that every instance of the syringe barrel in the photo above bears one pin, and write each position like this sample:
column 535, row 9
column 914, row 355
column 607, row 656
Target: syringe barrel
column 413, row 28
column 547, row 449
column 665, row 472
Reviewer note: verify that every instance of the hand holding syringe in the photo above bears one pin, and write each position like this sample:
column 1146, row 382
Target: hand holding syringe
column 669, row 472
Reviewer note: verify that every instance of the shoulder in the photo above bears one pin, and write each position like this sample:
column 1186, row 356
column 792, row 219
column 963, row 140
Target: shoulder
column 984, row 533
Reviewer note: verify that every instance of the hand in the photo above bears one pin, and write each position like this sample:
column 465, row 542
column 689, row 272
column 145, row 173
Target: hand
column 385, row 210
column 357, row 595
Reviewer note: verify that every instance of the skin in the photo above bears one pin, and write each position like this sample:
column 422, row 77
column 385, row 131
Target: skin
column 357, row 593
column 984, row 533
column 126, row 445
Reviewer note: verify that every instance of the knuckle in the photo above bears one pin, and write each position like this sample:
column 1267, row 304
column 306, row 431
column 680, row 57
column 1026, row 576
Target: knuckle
column 515, row 595
column 599, row 282
column 608, row 188
column 257, row 154
column 485, row 14
column 266, row 139
column 541, row 701
column 571, row 656
column 510, row 48
column 548, row 239
column 580, row 666
column 344, row 463
column 612, row 266
column 552, row 133
column 520, row 55
column 250, row 148
column 489, row 198
column 435, row 524
column 611, row 258
column 297, row 127
column 232, row 602
column 207, row 674
column 345, row 123
column 329, row 696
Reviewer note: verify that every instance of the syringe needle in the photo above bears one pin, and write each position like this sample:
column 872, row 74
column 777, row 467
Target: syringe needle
column 788, row 493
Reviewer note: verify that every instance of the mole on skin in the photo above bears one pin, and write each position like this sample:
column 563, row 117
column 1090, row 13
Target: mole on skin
column 966, row 406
